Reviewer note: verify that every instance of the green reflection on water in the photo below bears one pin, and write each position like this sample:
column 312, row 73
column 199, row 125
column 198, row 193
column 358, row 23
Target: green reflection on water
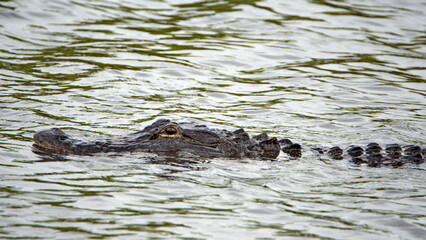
column 321, row 72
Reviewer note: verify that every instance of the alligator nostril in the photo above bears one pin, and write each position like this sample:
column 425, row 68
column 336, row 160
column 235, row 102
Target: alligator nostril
column 57, row 130
column 171, row 131
column 63, row 138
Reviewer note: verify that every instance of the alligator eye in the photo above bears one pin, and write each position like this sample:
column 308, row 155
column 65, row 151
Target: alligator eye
column 170, row 131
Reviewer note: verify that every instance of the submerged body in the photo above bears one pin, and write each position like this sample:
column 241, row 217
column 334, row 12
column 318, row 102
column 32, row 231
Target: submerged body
column 171, row 138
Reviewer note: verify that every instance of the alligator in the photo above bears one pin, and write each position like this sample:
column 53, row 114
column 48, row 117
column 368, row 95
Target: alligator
column 165, row 137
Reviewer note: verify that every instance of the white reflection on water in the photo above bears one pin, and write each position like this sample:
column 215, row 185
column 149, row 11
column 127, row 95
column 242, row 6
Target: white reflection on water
column 322, row 73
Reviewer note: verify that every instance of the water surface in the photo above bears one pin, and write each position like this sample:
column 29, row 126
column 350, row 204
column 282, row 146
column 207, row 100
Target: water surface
column 322, row 73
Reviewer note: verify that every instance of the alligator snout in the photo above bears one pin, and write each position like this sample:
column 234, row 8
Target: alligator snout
column 53, row 139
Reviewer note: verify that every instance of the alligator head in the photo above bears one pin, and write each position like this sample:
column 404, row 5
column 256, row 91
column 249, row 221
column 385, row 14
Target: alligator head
column 165, row 137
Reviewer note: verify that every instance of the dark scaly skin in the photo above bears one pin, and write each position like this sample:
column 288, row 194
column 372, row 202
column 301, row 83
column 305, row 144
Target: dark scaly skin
column 372, row 154
column 170, row 138
column 166, row 137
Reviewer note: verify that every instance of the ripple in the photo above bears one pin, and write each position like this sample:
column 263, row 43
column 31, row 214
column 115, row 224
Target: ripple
column 322, row 73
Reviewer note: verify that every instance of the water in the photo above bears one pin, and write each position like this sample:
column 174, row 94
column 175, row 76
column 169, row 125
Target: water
column 322, row 73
